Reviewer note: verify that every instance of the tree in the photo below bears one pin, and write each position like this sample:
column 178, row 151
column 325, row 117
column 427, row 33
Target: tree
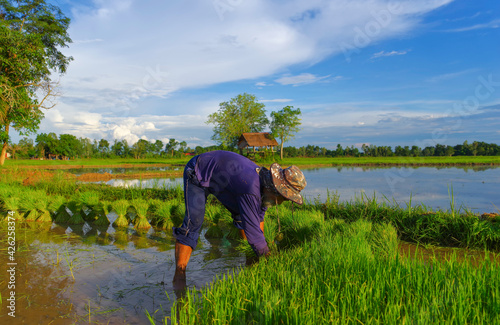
column 69, row 145
column 171, row 145
column 240, row 115
column 284, row 124
column 47, row 144
column 31, row 34
column 157, row 147
column 140, row 148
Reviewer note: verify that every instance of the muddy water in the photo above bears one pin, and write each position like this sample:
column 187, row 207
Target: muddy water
column 104, row 276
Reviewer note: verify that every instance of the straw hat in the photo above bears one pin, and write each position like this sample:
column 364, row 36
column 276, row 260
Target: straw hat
column 288, row 182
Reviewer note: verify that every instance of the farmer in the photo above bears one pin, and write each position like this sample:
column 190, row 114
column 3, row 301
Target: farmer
column 244, row 188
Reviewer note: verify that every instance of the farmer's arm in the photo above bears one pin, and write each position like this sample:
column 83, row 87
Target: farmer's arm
column 253, row 223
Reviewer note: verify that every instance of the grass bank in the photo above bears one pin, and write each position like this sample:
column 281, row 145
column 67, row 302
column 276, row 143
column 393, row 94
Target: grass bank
column 300, row 161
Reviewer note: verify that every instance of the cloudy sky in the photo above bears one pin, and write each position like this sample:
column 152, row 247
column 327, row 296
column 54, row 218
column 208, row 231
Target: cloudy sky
column 361, row 71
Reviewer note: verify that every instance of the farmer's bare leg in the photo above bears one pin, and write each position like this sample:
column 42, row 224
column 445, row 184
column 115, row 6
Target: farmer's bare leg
column 182, row 255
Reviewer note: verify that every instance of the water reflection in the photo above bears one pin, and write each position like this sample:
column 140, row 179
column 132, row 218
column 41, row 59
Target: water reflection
column 67, row 273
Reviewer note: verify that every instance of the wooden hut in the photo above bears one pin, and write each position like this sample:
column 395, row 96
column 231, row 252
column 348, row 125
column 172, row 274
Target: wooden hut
column 257, row 140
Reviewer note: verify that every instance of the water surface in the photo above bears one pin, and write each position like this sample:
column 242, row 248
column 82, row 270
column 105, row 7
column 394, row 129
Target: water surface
column 473, row 188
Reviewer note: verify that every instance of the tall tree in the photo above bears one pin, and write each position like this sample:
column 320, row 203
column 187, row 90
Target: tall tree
column 285, row 123
column 31, row 34
column 239, row 115
column 171, row 145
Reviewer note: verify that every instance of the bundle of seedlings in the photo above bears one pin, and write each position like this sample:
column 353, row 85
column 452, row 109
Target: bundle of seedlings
column 121, row 207
column 101, row 211
column 11, row 205
column 154, row 206
column 177, row 212
column 31, row 204
column 43, row 205
column 75, row 206
column 141, row 207
column 90, row 199
column 161, row 217
column 62, row 215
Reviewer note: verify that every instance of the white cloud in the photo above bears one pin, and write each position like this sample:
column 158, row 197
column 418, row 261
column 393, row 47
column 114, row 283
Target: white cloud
column 391, row 53
column 301, row 79
column 126, row 54
column 492, row 24
column 449, row 76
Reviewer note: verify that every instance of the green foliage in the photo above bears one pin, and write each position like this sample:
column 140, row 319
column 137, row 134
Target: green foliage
column 345, row 276
column 240, row 115
column 141, row 207
column 162, row 216
column 121, row 207
column 31, row 35
column 285, row 123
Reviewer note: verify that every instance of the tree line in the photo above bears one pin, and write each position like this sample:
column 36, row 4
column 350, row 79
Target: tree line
column 67, row 146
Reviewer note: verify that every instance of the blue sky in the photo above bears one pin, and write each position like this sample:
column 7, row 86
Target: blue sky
column 375, row 72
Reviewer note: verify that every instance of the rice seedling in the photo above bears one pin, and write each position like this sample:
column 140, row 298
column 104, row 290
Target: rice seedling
column 12, row 205
column 141, row 207
column 161, row 216
column 99, row 214
column 75, row 206
column 90, row 199
column 43, row 205
column 31, row 206
column 213, row 213
column 341, row 278
column 177, row 212
column 62, row 215
column 121, row 207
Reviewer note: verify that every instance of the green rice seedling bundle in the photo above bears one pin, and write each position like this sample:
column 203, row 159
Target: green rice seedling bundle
column 154, row 206
column 89, row 200
column 43, row 205
column 299, row 226
column 12, row 206
column 62, row 214
column 100, row 214
column 178, row 211
column 32, row 204
column 75, row 206
column 338, row 279
column 162, row 216
column 141, row 207
column 121, row 207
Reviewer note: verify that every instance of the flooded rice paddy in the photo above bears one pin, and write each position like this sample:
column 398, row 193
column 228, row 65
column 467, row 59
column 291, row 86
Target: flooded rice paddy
column 80, row 274
column 439, row 188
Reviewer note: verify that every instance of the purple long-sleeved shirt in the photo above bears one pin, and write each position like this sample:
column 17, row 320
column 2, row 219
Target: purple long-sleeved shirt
column 234, row 181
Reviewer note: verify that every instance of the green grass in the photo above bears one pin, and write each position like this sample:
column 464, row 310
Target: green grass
column 349, row 274
column 299, row 161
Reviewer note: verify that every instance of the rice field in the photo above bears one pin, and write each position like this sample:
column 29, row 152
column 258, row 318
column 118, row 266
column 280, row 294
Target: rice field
column 331, row 262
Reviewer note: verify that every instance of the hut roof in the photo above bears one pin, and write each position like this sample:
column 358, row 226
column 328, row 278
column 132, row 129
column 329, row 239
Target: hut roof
column 256, row 139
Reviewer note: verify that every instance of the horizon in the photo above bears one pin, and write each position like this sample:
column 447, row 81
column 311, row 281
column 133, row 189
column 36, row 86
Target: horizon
column 376, row 72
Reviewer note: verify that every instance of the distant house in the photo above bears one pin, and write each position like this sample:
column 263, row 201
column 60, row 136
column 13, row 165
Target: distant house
column 259, row 140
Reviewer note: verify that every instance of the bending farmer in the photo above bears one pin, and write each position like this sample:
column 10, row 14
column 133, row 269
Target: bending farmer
column 244, row 188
